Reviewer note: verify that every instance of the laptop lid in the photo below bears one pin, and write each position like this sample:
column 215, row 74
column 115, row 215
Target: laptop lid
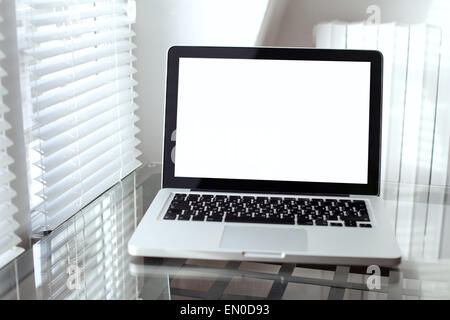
column 284, row 120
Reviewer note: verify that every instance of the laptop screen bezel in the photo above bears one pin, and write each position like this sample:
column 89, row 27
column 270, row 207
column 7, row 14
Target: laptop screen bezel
column 263, row 186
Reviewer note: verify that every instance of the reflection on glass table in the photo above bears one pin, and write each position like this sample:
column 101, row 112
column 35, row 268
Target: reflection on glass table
column 87, row 258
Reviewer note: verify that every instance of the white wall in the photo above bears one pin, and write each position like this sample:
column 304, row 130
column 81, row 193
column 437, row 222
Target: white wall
column 164, row 23
column 301, row 16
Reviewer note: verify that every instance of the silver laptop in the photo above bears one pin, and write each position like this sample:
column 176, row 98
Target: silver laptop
column 270, row 154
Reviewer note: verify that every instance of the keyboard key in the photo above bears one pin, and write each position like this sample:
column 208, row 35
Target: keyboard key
column 236, row 218
column 174, row 211
column 365, row 225
column 199, row 217
column 176, row 205
column 363, row 212
column 179, row 196
column 321, row 223
column 269, row 210
column 350, row 223
column 356, row 218
column 214, row 218
column 279, row 221
column 335, row 224
column 305, row 222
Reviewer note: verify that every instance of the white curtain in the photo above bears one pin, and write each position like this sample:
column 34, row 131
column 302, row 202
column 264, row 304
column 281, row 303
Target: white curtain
column 78, row 96
column 8, row 239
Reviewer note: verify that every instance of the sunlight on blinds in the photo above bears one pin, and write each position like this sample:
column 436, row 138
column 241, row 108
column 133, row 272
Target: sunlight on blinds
column 87, row 257
column 8, row 239
column 78, row 87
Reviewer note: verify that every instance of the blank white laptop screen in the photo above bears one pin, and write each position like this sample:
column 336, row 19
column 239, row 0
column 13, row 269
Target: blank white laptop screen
column 281, row 120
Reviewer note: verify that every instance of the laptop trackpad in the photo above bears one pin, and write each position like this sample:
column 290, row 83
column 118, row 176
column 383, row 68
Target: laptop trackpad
column 274, row 240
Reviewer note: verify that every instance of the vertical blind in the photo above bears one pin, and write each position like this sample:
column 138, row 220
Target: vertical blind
column 77, row 66
column 416, row 104
column 416, row 118
column 8, row 240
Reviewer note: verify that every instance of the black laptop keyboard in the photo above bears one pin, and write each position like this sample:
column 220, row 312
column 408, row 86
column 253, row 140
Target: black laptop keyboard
column 270, row 210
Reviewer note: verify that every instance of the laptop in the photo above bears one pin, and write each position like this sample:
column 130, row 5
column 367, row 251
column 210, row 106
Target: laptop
column 270, row 154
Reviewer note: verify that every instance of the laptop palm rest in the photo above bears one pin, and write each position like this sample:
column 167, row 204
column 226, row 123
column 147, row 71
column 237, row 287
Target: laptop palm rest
column 253, row 241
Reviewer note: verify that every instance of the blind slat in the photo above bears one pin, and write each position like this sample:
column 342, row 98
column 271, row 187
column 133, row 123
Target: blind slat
column 6, row 177
column 100, row 181
column 41, row 68
column 83, row 100
column 48, row 4
column 4, row 125
column 83, row 170
column 5, row 160
column 69, row 46
column 7, row 226
column 8, row 247
column 98, row 95
column 5, row 142
column 68, row 154
column 3, row 108
column 61, row 79
column 6, row 194
column 79, row 87
column 86, row 134
column 97, row 10
column 70, row 179
column 3, row 91
column 69, row 31
column 2, row 73
column 7, row 210
column 58, row 127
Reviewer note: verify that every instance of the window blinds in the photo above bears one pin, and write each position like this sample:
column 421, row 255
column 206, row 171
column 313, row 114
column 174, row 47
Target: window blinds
column 86, row 257
column 8, row 240
column 77, row 57
column 416, row 111
column 416, row 135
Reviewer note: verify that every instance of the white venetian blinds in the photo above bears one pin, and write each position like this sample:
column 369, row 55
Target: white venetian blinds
column 8, row 240
column 78, row 66
column 86, row 257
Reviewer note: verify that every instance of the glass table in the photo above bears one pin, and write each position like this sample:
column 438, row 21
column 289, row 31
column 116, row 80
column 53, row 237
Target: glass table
column 87, row 258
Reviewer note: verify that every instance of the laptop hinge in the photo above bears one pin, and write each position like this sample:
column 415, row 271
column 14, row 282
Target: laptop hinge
column 273, row 192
